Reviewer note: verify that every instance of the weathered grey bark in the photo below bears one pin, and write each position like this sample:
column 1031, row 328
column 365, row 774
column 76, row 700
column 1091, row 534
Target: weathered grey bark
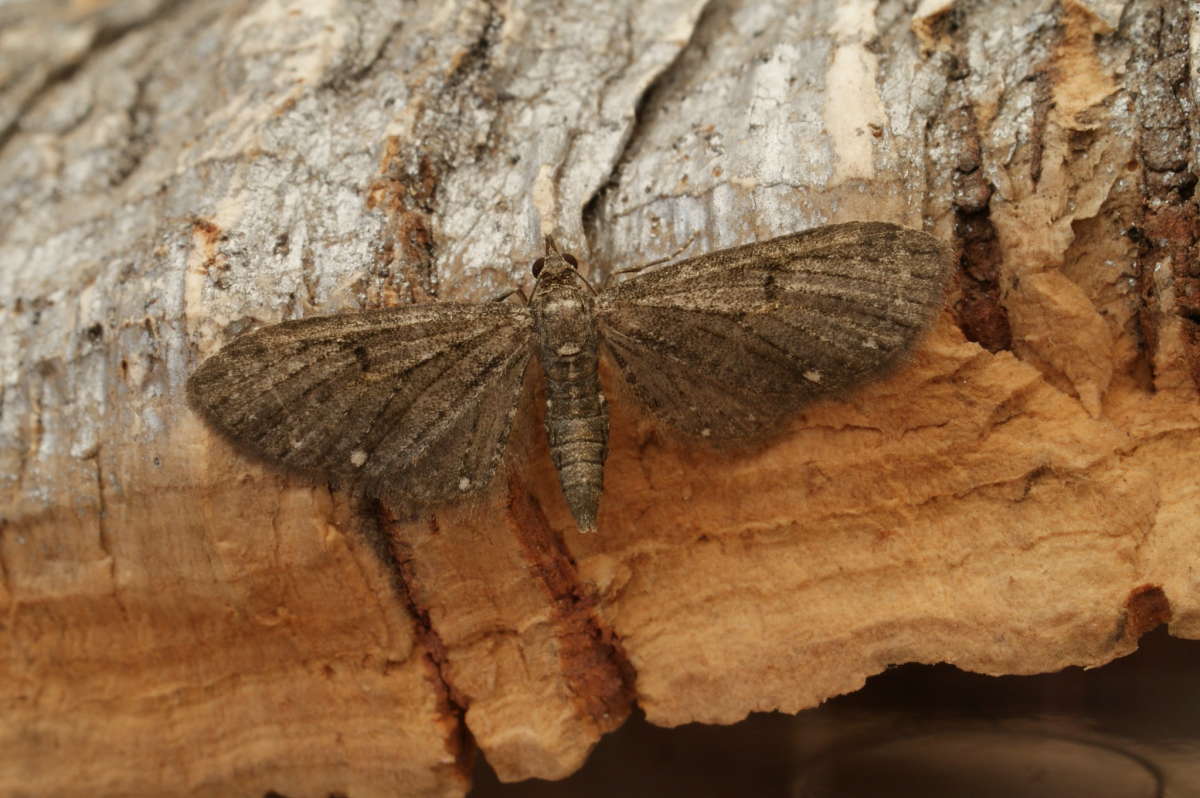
column 177, row 620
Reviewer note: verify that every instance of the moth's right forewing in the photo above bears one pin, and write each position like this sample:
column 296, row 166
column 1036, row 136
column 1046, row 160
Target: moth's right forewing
column 724, row 345
column 408, row 403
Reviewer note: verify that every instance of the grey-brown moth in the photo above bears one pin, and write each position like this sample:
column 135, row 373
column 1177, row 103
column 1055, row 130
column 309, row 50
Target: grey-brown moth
column 414, row 404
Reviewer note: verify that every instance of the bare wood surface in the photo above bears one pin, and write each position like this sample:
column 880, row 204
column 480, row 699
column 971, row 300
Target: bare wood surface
column 176, row 620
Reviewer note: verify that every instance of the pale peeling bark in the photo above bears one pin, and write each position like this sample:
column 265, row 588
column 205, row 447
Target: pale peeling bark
column 180, row 621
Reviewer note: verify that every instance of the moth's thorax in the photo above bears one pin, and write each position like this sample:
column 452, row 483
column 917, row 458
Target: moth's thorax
column 564, row 317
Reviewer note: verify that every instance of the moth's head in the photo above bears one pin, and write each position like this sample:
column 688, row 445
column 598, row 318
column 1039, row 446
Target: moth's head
column 555, row 266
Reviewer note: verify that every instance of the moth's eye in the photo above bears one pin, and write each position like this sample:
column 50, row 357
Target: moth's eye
column 571, row 260
column 537, row 266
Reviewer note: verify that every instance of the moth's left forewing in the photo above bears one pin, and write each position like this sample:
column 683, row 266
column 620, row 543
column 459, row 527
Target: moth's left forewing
column 725, row 345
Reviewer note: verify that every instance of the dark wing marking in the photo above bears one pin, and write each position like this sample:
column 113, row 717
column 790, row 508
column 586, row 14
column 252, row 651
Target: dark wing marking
column 411, row 403
column 724, row 345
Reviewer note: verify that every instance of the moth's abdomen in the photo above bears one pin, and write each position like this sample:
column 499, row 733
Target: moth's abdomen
column 576, row 416
column 577, row 424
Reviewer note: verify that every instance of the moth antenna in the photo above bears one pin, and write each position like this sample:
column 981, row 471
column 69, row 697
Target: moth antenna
column 588, row 283
column 551, row 247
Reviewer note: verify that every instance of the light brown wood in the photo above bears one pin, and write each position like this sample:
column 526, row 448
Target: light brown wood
column 176, row 620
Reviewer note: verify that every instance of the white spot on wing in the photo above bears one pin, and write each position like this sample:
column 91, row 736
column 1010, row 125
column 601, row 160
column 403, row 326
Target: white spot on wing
column 704, row 433
column 464, row 484
column 358, row 458
column 812, row 375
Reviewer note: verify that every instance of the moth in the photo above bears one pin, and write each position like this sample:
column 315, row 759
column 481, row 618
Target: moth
column 414, row 404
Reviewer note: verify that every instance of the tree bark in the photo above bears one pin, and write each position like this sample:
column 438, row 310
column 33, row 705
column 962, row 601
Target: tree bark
column 1020, row 497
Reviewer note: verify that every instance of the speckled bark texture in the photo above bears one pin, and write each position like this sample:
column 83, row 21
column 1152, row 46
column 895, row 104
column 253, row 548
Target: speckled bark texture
column 1020, row 496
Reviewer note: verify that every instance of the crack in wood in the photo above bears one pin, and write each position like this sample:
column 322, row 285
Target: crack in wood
column 590, row 213
column 980, row 310
column 1167, row 225
column 594, row 663
column 377, row 522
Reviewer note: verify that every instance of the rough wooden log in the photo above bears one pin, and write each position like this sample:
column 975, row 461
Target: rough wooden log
column 177, row 620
